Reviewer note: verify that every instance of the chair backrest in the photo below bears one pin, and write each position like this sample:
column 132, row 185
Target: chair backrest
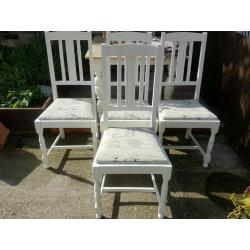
column 65, row 52
column 128, row 37
column 131, row 55
column 182, row 63
column 113, row 38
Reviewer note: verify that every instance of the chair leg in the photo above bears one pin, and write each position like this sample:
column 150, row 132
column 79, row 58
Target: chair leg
column 164, row 191
column 94, row 138
column 188, row 131
column 43, row 148
column 97, row 194
column 62, row 134
column 207, row 157
column 161, row 132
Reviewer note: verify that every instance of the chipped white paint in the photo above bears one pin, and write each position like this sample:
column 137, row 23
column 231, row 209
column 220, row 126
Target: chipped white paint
column 184, row 109
column 187, row 113
column 131, row 67
column 126, row 37
column 144, row 147
column 130, row 150
column 69, row 109
column 68, row 112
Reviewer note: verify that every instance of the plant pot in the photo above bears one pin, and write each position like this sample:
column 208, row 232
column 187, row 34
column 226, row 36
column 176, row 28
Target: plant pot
column 21, row 120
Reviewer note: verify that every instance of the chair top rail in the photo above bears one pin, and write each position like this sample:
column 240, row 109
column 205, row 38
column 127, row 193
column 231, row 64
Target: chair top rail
column 129, row 37
column 68, row 35
column 185, row 36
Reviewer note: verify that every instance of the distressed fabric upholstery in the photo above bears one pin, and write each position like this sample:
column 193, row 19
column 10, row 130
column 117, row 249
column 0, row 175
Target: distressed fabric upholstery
column 184, row 109
column 69, row 109
column 124, row 145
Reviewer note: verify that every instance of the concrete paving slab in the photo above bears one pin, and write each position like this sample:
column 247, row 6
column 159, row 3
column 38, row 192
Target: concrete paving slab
column 65, row 190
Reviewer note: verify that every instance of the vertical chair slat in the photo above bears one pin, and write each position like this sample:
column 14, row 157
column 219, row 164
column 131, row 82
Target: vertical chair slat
column 71, row 60
column 62, row 60
column 130, row 78
column 141, row 83
column 147, row 79
column 79, row 54
column 119, row 80
column 190, row 56
column 181, row 60
column 172, row 63
column 109, row 78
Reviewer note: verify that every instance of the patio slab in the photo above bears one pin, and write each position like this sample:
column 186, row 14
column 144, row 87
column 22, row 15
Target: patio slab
column 65, row 190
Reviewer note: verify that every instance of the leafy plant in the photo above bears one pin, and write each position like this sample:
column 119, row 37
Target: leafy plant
column 241, row 204
column 22, row 68
column 22, row 98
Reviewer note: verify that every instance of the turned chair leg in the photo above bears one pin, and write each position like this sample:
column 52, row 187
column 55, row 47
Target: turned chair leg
column 43, row 148
column 207, row 157
column 188, row 131
column 97, row 195
column 62, row 134
column 164, row 191
column 94, row 138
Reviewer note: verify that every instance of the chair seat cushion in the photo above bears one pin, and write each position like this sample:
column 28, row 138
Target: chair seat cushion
column 69, row 109
column 130, row 145
column 184, row 109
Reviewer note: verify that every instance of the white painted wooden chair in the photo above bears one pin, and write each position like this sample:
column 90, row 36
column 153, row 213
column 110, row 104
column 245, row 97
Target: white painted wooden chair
column 129, row 118
column 187, row 113
column 68, row 112
column 130, row 150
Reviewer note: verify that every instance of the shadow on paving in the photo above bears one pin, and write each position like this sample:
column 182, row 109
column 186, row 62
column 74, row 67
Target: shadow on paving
column 16, row 162
column 15, row 165
column 60, row 170
column 137, row 180
column 194, row 192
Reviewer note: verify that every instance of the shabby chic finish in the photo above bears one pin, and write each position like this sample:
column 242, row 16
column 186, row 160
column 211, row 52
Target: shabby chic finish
column 130, row 150
column 139, row 82
column 68, row 112
column 187, row 113
column 114, row 38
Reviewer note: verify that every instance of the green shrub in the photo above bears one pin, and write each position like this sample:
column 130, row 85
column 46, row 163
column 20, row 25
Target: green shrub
column 31, row 96
column 22, row 68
